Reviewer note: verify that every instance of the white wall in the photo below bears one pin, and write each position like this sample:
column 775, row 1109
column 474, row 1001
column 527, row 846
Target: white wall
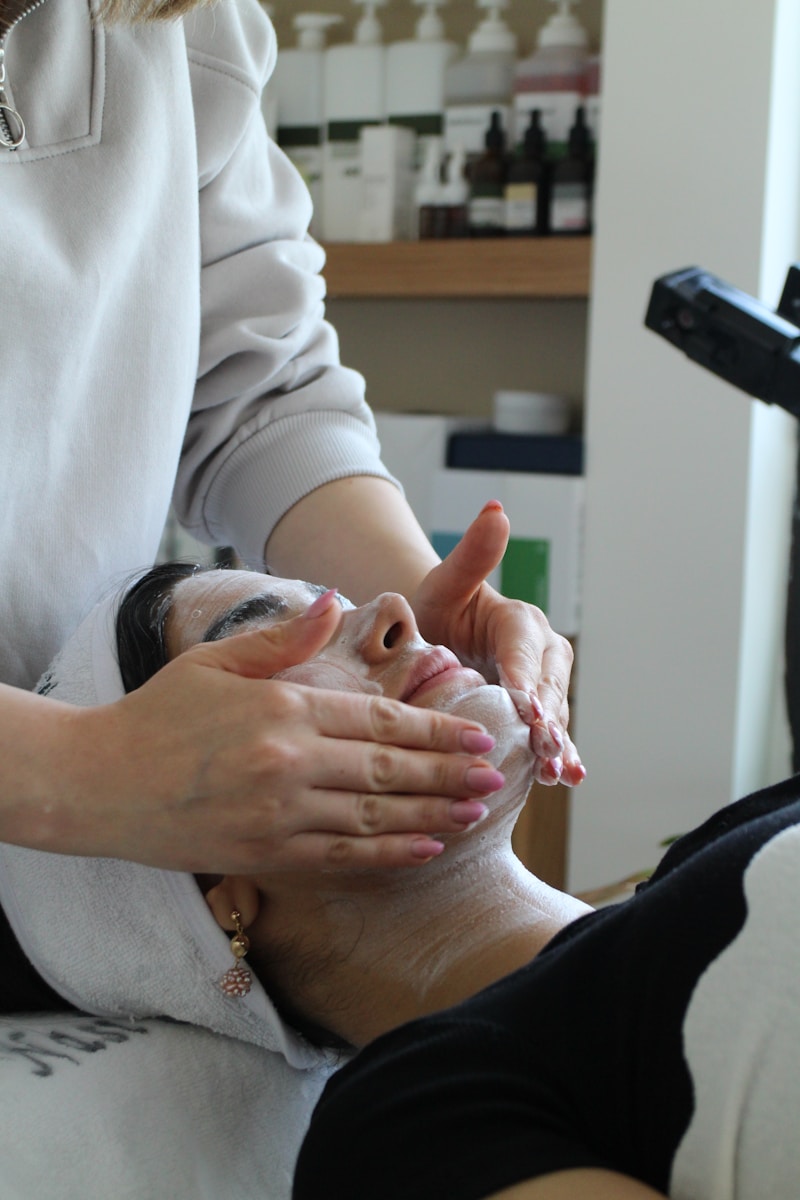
column 688, row 480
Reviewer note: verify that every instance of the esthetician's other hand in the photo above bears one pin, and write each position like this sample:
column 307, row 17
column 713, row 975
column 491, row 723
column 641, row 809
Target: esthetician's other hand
column 507, row 640
column 213, row 767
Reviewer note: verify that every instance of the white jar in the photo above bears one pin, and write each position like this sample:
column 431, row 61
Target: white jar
column 530, row 412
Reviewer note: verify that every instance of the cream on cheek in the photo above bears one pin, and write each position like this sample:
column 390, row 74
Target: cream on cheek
column 328, row 671
column 340, row 666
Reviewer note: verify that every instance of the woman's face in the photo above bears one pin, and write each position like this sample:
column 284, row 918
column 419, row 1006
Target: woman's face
column 377, row 648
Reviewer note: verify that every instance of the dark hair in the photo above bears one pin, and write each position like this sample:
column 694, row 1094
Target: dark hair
column 141, row 620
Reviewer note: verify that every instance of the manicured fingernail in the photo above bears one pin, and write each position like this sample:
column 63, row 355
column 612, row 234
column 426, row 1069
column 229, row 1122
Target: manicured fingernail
column 485, row 779
column 467, row 812
column 426, row 848
column 556, row 734
column 320, row 605
column 476, row 741
column 521, row 701
column 522, row 704
column 536, row 705
column 553, row 768
column 573, row 774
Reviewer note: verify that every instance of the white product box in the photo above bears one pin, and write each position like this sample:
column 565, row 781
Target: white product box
column 387, row 183
column 542, row 564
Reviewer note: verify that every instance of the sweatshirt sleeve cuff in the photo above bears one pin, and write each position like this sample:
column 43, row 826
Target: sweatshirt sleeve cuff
column 279, row 465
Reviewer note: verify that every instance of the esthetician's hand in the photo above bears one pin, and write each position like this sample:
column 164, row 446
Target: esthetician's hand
column 213, row 767
column 508, row 641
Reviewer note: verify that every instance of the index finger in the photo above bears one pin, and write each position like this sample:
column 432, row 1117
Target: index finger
column 379, row 719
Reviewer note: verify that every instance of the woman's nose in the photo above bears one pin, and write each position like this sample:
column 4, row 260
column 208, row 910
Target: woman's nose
column 384, row 626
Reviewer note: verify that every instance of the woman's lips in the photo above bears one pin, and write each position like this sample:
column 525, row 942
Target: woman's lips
column 437, row 667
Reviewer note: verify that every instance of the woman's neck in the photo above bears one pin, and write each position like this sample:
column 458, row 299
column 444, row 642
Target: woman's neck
column 360, row 961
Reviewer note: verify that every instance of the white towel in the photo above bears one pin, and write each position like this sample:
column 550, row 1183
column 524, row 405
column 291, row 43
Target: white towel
column 118, row 939
column 92, row 1109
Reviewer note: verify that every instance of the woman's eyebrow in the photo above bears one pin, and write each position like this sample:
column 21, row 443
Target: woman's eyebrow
column 268, row 604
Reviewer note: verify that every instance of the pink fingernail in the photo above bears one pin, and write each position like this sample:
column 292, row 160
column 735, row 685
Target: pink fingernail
column 538, row 711
column 425, row 848
column 320, row 605
column 556, row 734
column 476, row 741
column 485, row 779
column 467, row 812
column 553, row 767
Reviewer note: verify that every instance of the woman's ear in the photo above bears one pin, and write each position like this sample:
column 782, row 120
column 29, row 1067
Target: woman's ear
column 234, row 893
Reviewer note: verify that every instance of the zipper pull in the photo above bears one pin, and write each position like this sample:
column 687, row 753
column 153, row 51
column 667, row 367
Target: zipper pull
column 12, row 126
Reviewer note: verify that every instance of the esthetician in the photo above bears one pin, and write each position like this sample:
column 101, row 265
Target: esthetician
column 163, row 340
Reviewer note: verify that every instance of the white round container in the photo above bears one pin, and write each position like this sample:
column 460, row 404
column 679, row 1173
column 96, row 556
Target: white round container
column 530, row 412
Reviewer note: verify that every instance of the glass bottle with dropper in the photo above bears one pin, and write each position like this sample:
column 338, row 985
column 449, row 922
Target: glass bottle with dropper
column 573, row 183
column 553, row 78
column 487, row 177
column 480, row 83
column 527, row 188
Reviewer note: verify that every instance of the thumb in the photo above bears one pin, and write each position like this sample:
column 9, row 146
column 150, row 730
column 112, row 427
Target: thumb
column 475, row 556
column 262, row 652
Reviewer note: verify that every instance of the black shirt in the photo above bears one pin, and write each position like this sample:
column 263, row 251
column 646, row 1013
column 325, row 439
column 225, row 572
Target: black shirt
column 580, row 1058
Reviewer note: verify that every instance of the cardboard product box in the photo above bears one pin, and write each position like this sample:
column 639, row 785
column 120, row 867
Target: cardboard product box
column 542, row 564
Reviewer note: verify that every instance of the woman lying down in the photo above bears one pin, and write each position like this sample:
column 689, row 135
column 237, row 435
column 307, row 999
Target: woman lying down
column 647, row 1049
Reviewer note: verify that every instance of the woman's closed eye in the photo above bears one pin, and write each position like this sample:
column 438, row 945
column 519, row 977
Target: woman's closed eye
column 268, row 606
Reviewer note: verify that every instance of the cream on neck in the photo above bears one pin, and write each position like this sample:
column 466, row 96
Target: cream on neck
column 366, row 952
column 480, row 921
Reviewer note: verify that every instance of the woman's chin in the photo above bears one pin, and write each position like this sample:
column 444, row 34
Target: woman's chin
column 492, row 706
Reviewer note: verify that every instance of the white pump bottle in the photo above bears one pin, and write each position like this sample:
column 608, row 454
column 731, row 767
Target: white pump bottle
column 481, row 82
column 297, row 86
column 415, row 71
column 354, row 96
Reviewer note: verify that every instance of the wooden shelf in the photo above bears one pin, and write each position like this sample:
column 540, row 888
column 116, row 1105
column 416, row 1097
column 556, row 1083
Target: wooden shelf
column 479, row 268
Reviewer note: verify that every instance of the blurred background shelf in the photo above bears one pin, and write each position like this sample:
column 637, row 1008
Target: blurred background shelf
column 524, row 268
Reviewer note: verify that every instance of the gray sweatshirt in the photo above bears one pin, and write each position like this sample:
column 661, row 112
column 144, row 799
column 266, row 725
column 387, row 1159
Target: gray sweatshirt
column 162, row 331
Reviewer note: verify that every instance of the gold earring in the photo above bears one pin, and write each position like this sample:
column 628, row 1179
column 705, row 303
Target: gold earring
column 237, row 980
